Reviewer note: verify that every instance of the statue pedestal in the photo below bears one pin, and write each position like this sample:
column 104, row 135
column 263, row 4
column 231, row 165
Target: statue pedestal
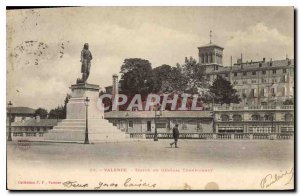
column 72, row 129
column 76, row 105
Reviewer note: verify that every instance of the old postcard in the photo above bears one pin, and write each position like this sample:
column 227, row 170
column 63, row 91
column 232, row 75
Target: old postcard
column 150, row 98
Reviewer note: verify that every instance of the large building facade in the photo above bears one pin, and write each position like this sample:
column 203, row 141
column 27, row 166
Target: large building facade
column 265, row 120
column 263, row 86
column 257, row 82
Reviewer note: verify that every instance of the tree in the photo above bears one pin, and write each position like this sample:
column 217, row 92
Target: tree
column 136, row 77
column 57, row 113
column 66, row 101
column 167, row 79
column 41, row 112
column 193, row 75
column 223, row 91
column 60, row 112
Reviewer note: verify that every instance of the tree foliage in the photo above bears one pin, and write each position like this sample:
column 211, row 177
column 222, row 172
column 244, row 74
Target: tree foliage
column 168, row 79
column 60, row 112
column 136, row 77
column 57, row 113
column 41, row 112
column 193, row 75
column 223, row 91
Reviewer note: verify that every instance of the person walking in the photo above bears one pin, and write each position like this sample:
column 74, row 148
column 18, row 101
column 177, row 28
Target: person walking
column 175, row 136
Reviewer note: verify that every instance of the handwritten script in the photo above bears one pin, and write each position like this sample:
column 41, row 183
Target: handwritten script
column 127, row 183
column 271, row 179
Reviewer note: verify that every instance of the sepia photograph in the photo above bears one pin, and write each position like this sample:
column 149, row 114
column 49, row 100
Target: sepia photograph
column 150, row 98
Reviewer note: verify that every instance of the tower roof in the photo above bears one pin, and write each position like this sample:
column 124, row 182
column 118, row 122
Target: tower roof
column 211, row 45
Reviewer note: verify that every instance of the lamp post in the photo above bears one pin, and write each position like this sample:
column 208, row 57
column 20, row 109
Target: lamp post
column 86, row 139
column 156, row 115
column 9, row 121
column 272, row 118
column 127, row 116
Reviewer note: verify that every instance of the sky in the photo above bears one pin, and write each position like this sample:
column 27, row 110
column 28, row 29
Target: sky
column 44, row 45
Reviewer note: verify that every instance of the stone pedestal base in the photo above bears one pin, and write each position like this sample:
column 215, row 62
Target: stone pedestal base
column 72, row 129
column 76, row 105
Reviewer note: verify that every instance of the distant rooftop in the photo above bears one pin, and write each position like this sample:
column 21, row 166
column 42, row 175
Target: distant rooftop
column 36, row 123
column 22, row 110
column 211, row 45
column 255, row 65
column 165, row 114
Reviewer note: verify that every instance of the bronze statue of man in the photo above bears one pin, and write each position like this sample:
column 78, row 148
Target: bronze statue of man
column 86, row 57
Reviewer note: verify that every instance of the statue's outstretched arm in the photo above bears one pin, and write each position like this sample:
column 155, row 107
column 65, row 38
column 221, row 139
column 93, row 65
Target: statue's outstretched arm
column 91, row 56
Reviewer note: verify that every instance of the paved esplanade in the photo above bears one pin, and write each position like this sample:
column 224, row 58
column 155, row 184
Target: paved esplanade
column 200, row 153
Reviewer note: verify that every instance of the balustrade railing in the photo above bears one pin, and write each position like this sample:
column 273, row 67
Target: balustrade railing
column 259, row 107
column 216, row 136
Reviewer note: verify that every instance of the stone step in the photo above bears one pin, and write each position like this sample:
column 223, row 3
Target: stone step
column 92, row 123
column 70, row 123
column 100, row 130
column 79, row 136
column 69, row 127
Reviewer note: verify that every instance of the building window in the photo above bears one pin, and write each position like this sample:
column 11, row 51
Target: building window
column 265, row 92
column 271, row 64
column 224, row 118
column 237, row 117
column 130, row 123
column 253, row 81
column 252, row 94
column 268, row 117
column 244, row 73
column 235, row 74
column 273, row 92
column 274, row 81
column 284, row 70
column 288, row 117
column 274, row 71
column 260, row 65
column 253, row 73
column 255, row 117
column 235, row 82
column 18, row 134
column 245, row 82
column 264, row 72
column 161, row 125
column 184, row 125
column 30, row 134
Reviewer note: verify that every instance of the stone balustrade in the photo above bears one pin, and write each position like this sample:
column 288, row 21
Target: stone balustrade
column 217, row 136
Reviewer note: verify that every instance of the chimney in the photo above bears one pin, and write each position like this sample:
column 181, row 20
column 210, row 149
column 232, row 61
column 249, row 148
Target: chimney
column 242, row 58
column 264, row 59
column 115, row 85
